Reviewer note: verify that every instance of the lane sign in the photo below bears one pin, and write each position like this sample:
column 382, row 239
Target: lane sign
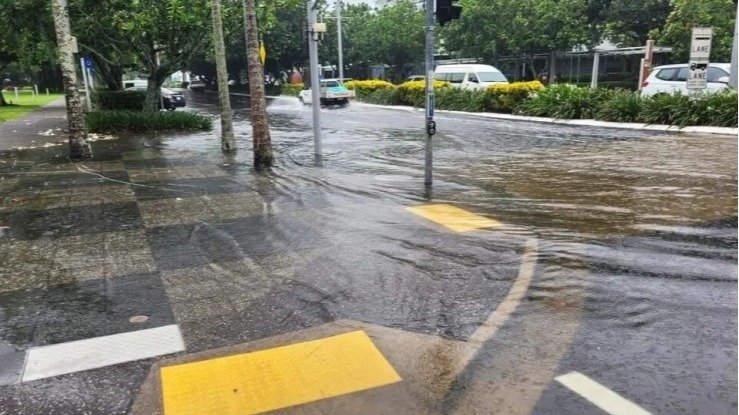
column 700, row 44
column 697, row 75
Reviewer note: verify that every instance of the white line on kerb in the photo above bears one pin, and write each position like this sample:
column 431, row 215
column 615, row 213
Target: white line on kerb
column 599, row 395
column 76, row 356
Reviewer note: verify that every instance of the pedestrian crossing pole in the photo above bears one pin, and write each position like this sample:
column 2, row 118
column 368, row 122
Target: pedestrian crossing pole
column 430, row 99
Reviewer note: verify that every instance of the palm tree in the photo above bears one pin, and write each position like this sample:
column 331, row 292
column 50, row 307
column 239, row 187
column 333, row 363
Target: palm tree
column 261, row 142
column 227, row 129
column 78, row 146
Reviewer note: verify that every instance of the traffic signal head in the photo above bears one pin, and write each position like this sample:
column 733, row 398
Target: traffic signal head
column 447, row 10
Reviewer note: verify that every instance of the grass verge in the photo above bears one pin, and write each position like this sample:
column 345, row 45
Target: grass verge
column 23, row 104
column 106, row 122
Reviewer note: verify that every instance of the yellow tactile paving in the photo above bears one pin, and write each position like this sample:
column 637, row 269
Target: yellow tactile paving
column 454, row 218
column 266, row 380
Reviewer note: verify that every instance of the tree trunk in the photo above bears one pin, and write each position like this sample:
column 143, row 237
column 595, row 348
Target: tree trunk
column 227, row 128
column 262, row 144
column 2, row 100
column 153, row 90
column 79, row 148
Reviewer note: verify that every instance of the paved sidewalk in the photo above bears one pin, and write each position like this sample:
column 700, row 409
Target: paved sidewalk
column 39, row 127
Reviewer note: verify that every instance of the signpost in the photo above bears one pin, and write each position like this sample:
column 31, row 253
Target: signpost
column 87, row 89
column 700, row 52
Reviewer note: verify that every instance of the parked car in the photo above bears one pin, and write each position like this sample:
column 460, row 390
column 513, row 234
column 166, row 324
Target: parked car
column 331, row 91
column 471, row 76
column 415, row 78
column 197, row 85
column 667, row 79
column 171, row 100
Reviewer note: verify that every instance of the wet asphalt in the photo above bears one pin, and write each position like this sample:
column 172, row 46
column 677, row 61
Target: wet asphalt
column 635, row 284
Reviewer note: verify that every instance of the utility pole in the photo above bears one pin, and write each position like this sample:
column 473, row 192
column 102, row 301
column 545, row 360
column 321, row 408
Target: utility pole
column 430, row 99
column 734, row 68
column 339, row 32
column 315, row 84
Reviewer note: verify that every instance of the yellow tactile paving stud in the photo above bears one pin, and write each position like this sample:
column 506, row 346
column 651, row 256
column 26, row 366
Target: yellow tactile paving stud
column 266, row 380
column 454, row 218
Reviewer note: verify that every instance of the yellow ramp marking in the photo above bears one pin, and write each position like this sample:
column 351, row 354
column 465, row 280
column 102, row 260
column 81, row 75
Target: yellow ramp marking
column 454, row 218
column 266, row 380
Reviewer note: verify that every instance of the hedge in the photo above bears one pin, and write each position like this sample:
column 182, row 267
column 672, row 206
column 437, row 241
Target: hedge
column 292, row 89
column 119, row 100
column 620, row 105
column 137, row 121
column 565, row 101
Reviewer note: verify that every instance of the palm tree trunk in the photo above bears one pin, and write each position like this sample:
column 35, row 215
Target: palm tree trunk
column 227, row 128
column 261, row 142
column 78, row 146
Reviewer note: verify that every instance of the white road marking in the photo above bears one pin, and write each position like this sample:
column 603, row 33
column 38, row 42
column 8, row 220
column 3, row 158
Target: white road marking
column 497, row 319
column 599, row 395
column 76, row 356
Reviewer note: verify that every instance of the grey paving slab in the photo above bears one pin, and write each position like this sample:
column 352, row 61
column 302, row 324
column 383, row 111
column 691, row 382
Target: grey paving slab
column 11, row 367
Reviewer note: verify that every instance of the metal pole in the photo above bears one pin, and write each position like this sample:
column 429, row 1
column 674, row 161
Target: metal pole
column 339, row 32
column 87, row 90
column 733, row 69
column 594, row 75
column 315, row 84
column 429, row 151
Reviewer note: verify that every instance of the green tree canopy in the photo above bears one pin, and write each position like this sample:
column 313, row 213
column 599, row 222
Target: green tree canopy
column 686, row 14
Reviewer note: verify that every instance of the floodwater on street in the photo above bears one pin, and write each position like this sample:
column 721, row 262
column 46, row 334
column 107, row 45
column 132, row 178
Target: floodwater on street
column 609, row 256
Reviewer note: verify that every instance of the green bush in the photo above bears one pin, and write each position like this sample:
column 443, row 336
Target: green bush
column 561, row 101
column 138, row 121
column 717, row 109
column 292, row 89
column 383, row 96
column 619, row 106
column 119, row 100
column 506, row 97
column 666, row 109
column 457, row 99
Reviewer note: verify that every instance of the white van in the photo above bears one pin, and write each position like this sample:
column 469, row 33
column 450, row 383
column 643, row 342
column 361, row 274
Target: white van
column 470, row 76
column 135, row 83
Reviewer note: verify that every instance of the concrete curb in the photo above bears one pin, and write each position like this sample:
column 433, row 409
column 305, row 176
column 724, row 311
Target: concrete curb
column 580, row 123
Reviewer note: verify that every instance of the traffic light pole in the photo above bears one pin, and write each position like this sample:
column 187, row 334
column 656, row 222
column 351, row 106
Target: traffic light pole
column 430, row 99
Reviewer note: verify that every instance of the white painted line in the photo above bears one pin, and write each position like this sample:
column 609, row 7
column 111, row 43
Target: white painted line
column 599, row 395
column 497, row 319
column 76, row 356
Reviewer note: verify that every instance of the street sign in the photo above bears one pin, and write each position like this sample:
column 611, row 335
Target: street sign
column 700, row 53
column 700, row 44
column 88, row 62
column 432, row 106
column 697, row 72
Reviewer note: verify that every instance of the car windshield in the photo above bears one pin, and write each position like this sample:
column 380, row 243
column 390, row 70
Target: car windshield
column 330, row 84
column 491, row 77
column 167, row 91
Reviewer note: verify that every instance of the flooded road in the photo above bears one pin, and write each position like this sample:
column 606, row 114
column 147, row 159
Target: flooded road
column 609, row 256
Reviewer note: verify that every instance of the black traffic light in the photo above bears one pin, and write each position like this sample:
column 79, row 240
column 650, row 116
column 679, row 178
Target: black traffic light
column 447, row 10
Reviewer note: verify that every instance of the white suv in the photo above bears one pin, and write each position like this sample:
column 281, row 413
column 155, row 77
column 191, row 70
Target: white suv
column 673, row 78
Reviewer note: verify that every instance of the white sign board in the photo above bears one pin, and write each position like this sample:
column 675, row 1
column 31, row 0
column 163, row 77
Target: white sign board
column 700, row 44
column 697, row 75
column 700, row 52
